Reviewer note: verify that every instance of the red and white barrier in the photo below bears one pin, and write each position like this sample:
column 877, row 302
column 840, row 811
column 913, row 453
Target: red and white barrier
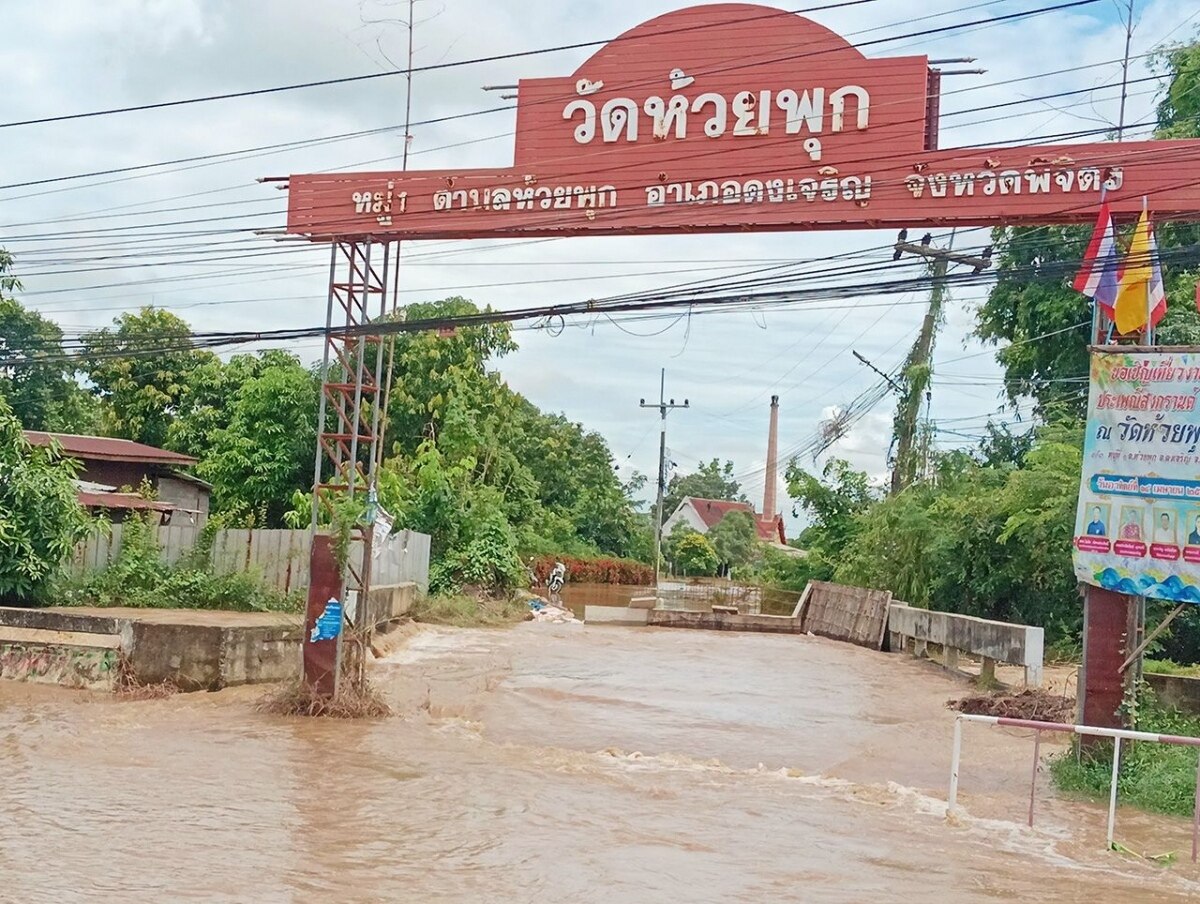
column 1117, row 734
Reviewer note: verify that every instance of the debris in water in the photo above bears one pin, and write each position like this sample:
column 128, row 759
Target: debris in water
column 552, row 613
column 354, row 700
column 1037, row 705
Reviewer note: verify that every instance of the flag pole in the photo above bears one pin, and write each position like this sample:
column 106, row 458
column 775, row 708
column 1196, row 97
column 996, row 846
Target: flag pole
column 1095, row 304
column 1149, row 312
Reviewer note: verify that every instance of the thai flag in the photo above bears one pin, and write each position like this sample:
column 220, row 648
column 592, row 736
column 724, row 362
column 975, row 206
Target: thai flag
column 1097, row 278
column 1158, row 295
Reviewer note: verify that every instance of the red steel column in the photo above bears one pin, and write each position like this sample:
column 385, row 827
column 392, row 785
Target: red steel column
column 322, row 656
column 1101, row 684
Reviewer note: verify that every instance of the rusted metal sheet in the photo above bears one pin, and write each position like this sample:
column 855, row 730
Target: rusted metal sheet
column 322, row 652
column 1101, row 682
column 735, row 117
column 852, row 614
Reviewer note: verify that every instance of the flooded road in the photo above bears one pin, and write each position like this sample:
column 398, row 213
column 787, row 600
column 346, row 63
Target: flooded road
column 557, row 763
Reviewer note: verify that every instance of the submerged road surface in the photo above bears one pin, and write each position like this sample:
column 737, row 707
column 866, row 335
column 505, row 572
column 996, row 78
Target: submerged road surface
column 557, row 763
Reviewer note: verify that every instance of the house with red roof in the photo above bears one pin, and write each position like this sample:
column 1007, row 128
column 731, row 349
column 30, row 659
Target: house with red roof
column 111, row 469
column 702, row 515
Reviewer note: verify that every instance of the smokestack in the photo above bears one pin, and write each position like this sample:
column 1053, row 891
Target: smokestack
column 769, row 501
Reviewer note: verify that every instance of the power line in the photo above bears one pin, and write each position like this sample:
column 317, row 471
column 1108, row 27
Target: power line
column 372, row 76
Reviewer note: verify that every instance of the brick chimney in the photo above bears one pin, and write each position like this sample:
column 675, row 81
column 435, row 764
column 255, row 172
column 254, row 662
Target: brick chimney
column 770, row 509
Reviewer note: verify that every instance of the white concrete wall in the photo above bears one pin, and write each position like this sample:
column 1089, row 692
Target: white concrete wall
column 686, row 514
column 1022, row 645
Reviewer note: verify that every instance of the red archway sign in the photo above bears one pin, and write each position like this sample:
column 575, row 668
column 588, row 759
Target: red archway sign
column 739, row 117
column 725, row 118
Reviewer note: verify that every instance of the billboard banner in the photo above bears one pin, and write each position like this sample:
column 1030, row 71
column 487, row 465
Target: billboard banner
column 1137, row 529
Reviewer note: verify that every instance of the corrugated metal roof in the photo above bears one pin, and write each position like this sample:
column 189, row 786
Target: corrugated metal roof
column 105, row 448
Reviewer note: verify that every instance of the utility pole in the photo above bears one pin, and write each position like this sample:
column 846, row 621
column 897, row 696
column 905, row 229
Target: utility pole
column 663, row 407
column 918, row 367
column 1125, row 73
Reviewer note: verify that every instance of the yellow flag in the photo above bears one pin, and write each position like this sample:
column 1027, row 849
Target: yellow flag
column 1133, row 293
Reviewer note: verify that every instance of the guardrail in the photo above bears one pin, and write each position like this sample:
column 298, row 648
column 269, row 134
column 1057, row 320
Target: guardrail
column 1117, row 734
column 994, row 641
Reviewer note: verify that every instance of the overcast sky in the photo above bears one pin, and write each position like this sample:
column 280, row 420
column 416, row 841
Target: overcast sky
column 78, row 55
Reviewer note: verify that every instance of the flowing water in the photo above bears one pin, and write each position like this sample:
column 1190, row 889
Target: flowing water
column 557, row 763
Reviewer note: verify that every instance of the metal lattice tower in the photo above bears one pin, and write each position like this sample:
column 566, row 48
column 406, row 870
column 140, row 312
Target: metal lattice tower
column 352, row 391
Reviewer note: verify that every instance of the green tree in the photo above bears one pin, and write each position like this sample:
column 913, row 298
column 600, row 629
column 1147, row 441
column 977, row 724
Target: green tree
column 140, row 368
column 735, row 539
column 990, row 541
column 40, row 517
column 670, row 547
column 695, row 556
column 710, row 480
column 432, row 369
column 35, row 376
column 1036, row 314
column 833, row 501
column 265, row 450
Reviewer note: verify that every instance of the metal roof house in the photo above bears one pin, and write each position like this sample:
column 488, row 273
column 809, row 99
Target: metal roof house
column 112, row 469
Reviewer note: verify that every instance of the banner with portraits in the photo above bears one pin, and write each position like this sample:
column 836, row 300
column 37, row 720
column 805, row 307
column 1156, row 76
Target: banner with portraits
column 1137, row 529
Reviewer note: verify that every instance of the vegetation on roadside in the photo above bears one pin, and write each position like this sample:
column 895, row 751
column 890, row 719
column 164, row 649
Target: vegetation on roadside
column 1160, row 778
column 603, row 570
column 138, row 578
column 464, row 611
column 1168, row 667
column 354, row 700
column 40, row 518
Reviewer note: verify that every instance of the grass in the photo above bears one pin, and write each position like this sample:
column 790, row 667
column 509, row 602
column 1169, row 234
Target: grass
column 1167, row 667
column 355, row 700
column 1160, row 778
column 469, row 612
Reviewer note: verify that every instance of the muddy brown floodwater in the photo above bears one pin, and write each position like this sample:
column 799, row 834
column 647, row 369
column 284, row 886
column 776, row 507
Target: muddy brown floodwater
column 557, row 763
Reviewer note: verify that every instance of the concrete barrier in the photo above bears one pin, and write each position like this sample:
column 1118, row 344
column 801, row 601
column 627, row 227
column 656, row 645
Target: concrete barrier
column 615, row 615
column 994, row 641
column 192, row 649
column 724, row 621
column 1179, row 691
column 388, row 603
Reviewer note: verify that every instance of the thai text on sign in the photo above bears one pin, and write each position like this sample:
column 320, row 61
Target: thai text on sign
column 1137, row 529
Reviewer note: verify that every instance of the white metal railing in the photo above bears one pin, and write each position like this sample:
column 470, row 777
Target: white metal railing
column 1117, row 734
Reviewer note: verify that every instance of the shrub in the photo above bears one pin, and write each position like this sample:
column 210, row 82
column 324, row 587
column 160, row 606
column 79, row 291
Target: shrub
column 696, row 557
column 139, row 579
column 1156, row 777
column 40, row 516
column 603, row 570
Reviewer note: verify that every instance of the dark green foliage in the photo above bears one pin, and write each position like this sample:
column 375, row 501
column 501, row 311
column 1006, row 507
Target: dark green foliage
column 138, row 578
column 992, row 540
column 735, row 540
column 790, row 572
column 140, row 369
column 40, row 517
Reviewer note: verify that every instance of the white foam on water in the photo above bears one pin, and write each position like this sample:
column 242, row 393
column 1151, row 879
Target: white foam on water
column 432, row 644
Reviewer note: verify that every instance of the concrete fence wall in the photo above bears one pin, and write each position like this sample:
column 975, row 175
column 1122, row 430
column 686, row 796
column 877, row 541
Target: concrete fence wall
column 995, row 641
column 279, row 557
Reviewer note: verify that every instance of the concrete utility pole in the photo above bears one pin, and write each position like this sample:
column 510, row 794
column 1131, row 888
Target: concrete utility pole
column 918, row 369
column 663, row 407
